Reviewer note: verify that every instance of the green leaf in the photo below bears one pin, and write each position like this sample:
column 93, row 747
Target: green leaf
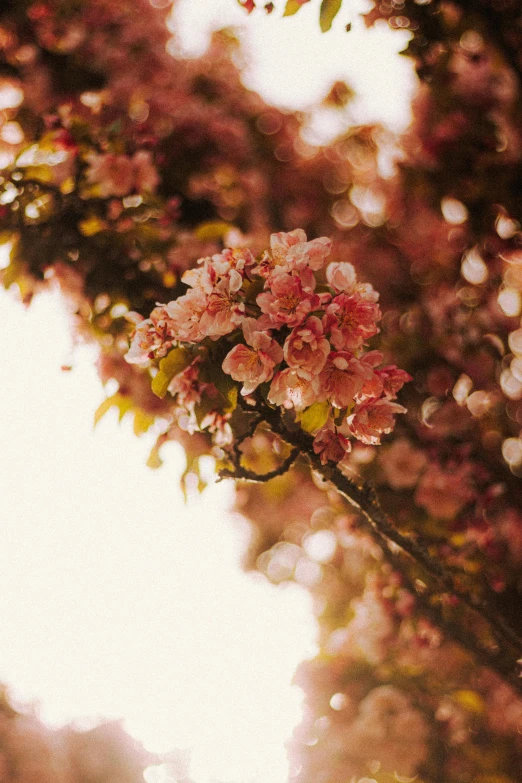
column 315, row 417
column 293, row 6
column 173, row 363
column 328, row 12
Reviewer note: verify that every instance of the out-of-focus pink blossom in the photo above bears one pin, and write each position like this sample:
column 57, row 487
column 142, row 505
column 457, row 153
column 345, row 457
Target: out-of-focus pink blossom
column 146, row 177
column 402, row 464
column 112, row 174
column 445, row 492
column 389, row 729
column 367, row 634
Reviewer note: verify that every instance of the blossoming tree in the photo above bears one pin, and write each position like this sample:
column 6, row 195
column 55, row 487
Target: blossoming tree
column 338, row 327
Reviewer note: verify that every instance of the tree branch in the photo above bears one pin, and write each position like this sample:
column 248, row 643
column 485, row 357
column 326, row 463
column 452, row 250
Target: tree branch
column 365, row 500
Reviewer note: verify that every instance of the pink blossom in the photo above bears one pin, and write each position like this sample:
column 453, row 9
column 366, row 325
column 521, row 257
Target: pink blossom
column 373, row 419
column 443, row 493
column 255, row 364
column 186, row 385
column 185, row 314
column 291, row 390
column 342, row 379
column 290, row 251
column 341, row 276
column 393, row 379
column 331, row 445
column 368, row 633
column 287, row 302
column 309, row 254
column 402, row 464
column 145, row 173
column 153, row 337
column 351, row 320
column 112, row 174
column 223, row 312
column 215, row 275
column 306, row 349
column 389, row 729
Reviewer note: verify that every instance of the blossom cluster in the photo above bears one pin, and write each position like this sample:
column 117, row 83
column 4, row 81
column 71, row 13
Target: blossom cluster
column 292, row 328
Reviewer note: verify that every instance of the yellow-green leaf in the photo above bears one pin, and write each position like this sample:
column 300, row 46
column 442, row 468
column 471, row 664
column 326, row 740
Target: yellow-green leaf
column 215, row 229
column 328, row 12
column 117, row 400
column 315, row 417
column 142, row 422
column 154, row 461
column 173, row 363
column 106, row 405
column 293, row 6
column 470, row 701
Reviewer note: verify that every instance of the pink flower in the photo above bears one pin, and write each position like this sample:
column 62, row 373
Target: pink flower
column 186, row 385
column 341, row 276
column 351, row 320
column 287, row 302
column 373, row 419
column 342, row 379
column 311, row 254
column 393, row 379
column 306, row 349
column 145, row 174
column 291, row 390
column 112, row 174
column 185, row 314
column 402, row 464
column 153, row 337
column 330, row 445
column 443, row 493
column 390, row 729
column 223, row 312
column 255, row 364
column 290, row 251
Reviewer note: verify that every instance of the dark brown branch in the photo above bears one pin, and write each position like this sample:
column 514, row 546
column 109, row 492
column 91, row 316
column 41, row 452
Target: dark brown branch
column 239, row 472
column 495, row 659
column 365, row 500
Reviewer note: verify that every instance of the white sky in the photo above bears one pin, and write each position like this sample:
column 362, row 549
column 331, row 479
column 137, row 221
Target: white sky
column 116, row 600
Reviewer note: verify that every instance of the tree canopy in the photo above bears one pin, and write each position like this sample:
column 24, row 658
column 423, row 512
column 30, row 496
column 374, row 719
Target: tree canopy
column 337, row 326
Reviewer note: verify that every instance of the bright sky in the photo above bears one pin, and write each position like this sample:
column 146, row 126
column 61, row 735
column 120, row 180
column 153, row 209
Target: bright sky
column 116, row 600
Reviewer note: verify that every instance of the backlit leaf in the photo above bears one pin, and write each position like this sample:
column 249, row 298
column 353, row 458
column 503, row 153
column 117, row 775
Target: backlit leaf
column 315, row 417
column 328, row 12
column 173, row 363
column 293, row 6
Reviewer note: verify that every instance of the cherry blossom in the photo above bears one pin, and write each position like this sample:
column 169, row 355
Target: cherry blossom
column 306, row 349
column 255, row 364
